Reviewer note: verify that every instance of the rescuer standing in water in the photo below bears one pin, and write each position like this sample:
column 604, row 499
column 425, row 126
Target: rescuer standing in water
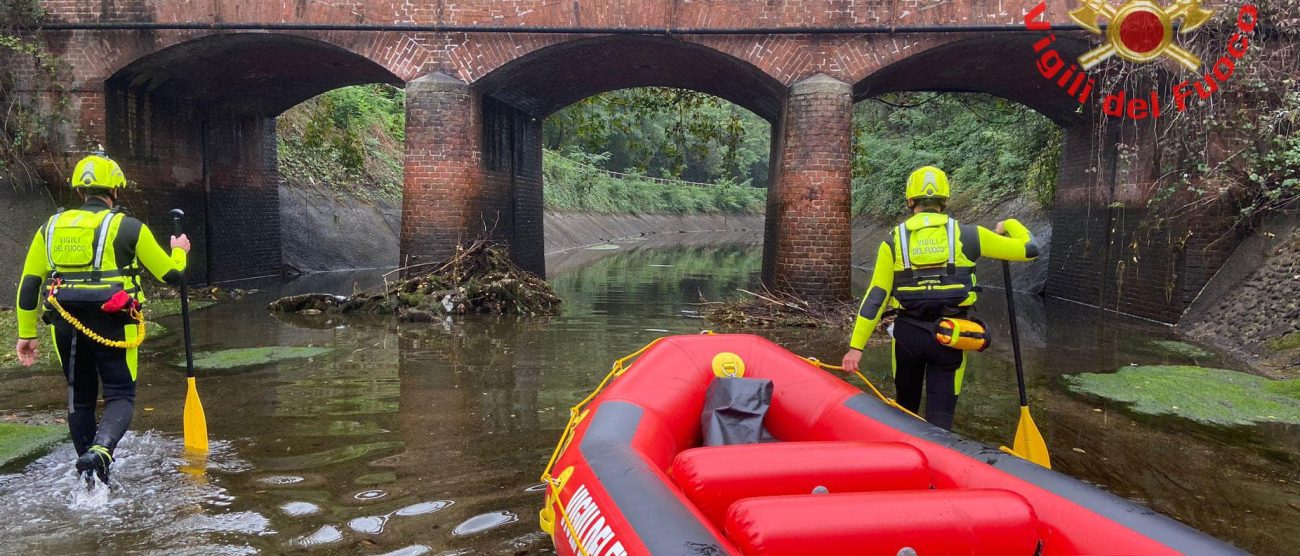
column 926, row 271
column 92, row 258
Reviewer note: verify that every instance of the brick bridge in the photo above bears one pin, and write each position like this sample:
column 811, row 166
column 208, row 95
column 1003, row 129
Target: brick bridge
column 185, row 94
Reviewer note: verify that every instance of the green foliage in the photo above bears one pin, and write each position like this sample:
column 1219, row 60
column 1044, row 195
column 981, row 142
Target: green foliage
column 1243, row 144
column 1212, row 396
column 575, row 181
column 668, row 133
column 350, row 140
column 25, row 125
column 347, row 140
column 991, row 149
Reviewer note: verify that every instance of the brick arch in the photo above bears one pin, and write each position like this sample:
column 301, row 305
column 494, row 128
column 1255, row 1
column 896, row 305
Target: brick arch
column 554, row 76
column 1001, row 65
column 194, row 124
column 256, row 73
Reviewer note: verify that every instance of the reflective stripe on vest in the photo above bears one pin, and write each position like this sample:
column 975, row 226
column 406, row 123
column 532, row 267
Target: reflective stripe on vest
column 101, row 238
column 952, row 286
column 49, row 240
column 98, row 244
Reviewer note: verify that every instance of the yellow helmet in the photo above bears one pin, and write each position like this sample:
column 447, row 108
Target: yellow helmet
column 927, row 182
column 98, row 172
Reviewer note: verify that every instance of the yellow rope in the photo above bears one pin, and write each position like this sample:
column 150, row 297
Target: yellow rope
column 575, row 412
column 128, row 344
column 564, row 515
column 874, row 390
column 620, row 367
column 576, row 415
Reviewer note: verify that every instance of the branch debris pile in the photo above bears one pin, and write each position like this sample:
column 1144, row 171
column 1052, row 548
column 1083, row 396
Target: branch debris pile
column 771, row 309
column 479, row 278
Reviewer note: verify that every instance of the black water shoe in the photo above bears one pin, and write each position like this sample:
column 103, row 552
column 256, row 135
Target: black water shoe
column 94, row 463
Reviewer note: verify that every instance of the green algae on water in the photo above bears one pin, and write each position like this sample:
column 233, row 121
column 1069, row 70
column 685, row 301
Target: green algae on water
column 1174, row 347
column 18, row 440
column 247, row 357
column 1212, row 396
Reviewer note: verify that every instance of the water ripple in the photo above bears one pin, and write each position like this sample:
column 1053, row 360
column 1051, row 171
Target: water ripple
column 370, row 525
column 298, row 509
column 328, row 534
column 155, row 491
column 423, row 508
column 370, row 494
column 483, row 522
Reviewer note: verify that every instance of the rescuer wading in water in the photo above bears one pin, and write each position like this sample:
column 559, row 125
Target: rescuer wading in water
column 92, row 258
column 926, row 271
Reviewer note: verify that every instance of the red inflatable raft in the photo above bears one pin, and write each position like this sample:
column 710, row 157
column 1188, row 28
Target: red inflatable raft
column 851, row 475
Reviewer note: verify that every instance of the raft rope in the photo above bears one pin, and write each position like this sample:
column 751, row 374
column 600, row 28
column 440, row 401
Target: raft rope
column 890, row 401
column 564, row 514
column 578, row 412
column 120, row 344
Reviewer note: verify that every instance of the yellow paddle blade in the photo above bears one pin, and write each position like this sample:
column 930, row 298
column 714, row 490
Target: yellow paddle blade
column 1029, row 442
column 195, row 464
column 196, row 425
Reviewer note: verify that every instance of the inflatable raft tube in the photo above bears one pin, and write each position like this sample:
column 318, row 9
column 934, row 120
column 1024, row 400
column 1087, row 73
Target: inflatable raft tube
column 852, row 474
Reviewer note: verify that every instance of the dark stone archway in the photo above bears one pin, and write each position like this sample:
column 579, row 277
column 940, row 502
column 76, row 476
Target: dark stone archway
column 194, row 125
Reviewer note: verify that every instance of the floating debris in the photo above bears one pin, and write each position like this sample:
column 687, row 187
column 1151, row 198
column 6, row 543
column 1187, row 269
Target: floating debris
column 479, row 278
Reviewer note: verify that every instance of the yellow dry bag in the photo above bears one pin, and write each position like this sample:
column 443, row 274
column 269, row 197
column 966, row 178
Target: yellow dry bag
column 964, row 334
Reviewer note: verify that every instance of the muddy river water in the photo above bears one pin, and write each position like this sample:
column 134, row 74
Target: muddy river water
column 429, row 438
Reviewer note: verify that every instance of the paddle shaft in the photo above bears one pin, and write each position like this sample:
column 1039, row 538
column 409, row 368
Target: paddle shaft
column 1015, row 332
column 185, row 309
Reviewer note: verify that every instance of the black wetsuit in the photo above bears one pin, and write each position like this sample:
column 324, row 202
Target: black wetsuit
column 86, row 364
column 918, row 360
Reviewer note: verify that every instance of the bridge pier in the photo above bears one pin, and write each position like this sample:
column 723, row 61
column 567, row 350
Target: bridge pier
column 473, row 170
column 807, row 240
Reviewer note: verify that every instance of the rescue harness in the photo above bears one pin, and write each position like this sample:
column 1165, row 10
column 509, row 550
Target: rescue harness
column 90, row 288
column 951, row 287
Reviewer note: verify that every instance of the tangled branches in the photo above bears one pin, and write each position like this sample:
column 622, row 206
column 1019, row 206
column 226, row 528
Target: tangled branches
column 772, row 309
column 478, row 278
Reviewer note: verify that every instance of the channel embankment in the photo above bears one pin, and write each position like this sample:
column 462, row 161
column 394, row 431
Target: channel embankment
column 1251, row 308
